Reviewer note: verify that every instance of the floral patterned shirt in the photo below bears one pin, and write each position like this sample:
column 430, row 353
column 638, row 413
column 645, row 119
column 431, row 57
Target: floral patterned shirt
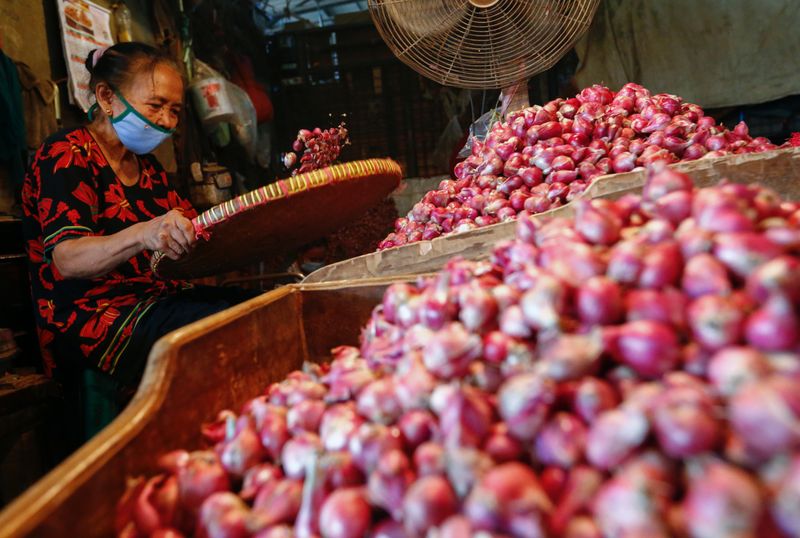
column 71, row 191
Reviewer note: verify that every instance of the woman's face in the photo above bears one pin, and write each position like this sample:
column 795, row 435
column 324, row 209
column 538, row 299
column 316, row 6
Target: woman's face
column 158, row 96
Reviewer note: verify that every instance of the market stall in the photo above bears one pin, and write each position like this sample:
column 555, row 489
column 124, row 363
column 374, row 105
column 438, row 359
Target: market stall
column 588, row 328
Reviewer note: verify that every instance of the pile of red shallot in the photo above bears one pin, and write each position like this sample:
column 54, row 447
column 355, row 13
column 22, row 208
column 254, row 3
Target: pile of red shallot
column 631, row 372
column 315, row 149
column 544, row 156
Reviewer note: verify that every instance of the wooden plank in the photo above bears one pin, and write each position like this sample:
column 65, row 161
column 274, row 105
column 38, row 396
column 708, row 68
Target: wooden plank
column 779, row 170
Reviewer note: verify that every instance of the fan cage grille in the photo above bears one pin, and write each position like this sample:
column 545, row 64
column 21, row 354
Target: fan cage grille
column 456, row 43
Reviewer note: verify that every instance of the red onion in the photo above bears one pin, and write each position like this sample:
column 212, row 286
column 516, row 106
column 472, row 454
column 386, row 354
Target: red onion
column 464, row 467
column 683, row 425
column 509, row 499
column 553, row 480
column 429, row 502
column 722, row 500
column 450, row 351
column 345, row 514
column 155, row 505
column 626, row 261
column 649, row 347
column 501, row 445
column 599, row 301
column 787, row 499
column 378, row 401
column 614, row 435
column 779, row 276
column 201, row 476
column 216, row 431
column 582, row 484
column 661, row 265
column 417, row 427
column 496, row 346
column 715, row 321
column 389, row 482
column 305, row 416
column 338, row 424
column 596, row 222
column 414, row 383
column 429, row 459
column 703, row 274
column 256, row 477
column 570, row 356
column 298, row 452
column 512, row 322
column 466, row 417
column 743, row 252
column 774, row 326
column 666, row 306
column 544, row 303
column 766, row 414
column 732, row 368
column 592, row 398
column 663, row 180
column 561, row 441
column 524, row 402
column 223, row 515
column 624, row 507
column 370, row 442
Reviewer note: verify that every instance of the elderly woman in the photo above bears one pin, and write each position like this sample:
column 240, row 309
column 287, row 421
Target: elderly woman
column 96, row 205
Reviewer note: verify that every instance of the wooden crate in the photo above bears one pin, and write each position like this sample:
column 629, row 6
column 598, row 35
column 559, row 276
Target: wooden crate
column 213, row 364
column 779, row 170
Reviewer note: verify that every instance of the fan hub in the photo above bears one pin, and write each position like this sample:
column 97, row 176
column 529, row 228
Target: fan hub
column 483, row 3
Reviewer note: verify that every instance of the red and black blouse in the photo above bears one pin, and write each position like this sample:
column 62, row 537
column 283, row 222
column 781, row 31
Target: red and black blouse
column 71, row 191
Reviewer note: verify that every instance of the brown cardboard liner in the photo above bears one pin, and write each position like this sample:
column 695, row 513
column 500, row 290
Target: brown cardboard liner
column 192, row 373
column 779, row 169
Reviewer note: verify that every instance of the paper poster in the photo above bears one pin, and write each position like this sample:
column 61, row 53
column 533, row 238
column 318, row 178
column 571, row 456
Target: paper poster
column 84, row 26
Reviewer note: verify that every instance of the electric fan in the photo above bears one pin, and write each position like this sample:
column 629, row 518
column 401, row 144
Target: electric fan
column 481, row 44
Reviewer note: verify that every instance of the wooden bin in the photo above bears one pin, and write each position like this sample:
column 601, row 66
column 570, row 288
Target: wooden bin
column 192, row 373
column 779, row 169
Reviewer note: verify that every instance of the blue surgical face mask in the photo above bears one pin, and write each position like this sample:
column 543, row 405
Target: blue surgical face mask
column 136, row 132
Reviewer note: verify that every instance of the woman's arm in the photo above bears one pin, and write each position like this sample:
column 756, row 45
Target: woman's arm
column 94, row 256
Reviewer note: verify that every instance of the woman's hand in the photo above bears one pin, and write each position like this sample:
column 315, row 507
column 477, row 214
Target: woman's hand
column 171, row 233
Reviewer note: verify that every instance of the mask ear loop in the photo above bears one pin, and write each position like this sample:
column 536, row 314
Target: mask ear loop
column 91, row 111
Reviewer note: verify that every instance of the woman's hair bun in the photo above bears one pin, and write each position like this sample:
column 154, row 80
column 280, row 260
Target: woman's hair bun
column 89, row 62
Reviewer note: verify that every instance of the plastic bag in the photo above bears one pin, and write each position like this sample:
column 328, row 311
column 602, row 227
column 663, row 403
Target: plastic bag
column 479, row 129
column 243, row 124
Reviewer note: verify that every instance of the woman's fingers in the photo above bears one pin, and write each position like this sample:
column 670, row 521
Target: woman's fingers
column 180, row 238
column 169, row 246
